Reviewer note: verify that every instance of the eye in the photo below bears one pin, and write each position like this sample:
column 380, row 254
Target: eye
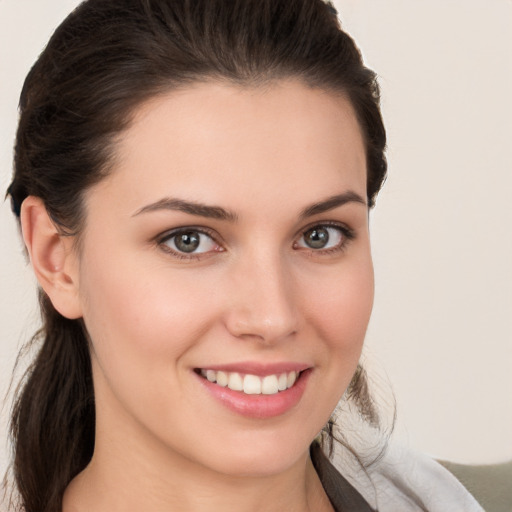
column 324, row 237
column 189, row 241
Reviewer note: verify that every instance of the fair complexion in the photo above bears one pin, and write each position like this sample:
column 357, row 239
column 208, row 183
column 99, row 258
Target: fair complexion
column 231, row 236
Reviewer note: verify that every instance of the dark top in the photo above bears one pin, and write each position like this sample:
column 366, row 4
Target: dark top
column 343, row 496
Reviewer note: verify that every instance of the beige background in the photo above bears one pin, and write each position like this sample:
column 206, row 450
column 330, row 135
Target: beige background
column 442, row 236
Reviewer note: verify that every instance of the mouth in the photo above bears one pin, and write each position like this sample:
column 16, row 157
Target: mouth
column 256, row 391
column 250, row 384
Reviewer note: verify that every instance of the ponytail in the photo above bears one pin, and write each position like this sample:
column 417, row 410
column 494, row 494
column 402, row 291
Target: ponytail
column 52, row 425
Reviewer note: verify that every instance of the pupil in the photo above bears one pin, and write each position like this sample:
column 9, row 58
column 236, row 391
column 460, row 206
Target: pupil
column 187, row 242
column 316, row 238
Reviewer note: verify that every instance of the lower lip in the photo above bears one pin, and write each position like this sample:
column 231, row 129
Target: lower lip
column 259, row 406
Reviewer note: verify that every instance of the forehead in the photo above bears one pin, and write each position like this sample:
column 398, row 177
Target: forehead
column 223, row 143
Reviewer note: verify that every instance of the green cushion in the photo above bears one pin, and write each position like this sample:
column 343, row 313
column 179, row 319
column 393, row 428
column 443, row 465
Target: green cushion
column 490, row 484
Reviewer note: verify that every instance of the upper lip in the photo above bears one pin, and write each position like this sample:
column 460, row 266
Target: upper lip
column 258, row 368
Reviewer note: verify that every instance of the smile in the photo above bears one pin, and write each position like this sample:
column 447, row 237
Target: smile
column 251, row 384
column 255, row 390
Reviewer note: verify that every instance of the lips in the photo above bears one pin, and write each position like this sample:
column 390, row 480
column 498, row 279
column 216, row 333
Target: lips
column 256, row 391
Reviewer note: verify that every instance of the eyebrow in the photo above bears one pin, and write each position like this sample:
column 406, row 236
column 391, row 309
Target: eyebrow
column 219, row 213
column 331, row 203
column 191, row 207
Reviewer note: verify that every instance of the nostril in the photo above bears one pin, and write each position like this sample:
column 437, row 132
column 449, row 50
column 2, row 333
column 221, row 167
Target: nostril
column 261, row 326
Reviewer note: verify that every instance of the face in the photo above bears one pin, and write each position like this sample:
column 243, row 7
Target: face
column 225, row 275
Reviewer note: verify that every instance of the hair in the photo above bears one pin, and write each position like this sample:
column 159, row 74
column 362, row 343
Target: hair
column 102, row 62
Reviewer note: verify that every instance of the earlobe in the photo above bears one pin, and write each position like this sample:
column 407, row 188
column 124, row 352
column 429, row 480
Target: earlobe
column 52, row 256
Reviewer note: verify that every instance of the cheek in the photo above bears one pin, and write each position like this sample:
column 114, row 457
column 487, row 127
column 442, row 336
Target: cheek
column 341, row 305
column 140, row 321
column 142, row 329
column 337, row 306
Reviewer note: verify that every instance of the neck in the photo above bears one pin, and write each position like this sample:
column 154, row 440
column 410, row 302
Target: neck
column 131, row 484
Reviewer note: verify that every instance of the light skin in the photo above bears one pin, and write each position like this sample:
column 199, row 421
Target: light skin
column 269, row 164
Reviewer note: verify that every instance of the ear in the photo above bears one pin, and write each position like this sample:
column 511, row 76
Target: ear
column 52, row 256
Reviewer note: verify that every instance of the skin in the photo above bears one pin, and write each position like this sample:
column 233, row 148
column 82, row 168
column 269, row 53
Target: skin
column 256, row 293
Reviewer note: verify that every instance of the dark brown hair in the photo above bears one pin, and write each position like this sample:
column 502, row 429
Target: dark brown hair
column 103, row 61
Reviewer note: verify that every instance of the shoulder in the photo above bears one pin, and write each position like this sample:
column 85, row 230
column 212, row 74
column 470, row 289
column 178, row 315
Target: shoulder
column 406, row 480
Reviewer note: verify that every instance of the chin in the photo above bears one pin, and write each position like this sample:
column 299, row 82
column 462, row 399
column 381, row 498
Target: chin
column 261, row 457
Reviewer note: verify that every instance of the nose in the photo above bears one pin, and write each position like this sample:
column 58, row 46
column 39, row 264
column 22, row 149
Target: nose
column 262, row 305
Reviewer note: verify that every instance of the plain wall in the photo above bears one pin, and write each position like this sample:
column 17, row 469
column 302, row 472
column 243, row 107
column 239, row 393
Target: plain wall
column 441, row 231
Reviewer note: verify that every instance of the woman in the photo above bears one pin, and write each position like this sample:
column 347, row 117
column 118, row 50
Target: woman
column 193, row 182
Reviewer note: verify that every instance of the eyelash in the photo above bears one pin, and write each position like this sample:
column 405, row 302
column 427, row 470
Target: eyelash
column 346, row 233
column 169, row 235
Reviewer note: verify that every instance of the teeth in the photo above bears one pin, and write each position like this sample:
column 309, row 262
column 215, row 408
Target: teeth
column 269, row 385
column 235, row 382
column 252, row 384
column 282, row 382
column 222, row 379
column 290, row 381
